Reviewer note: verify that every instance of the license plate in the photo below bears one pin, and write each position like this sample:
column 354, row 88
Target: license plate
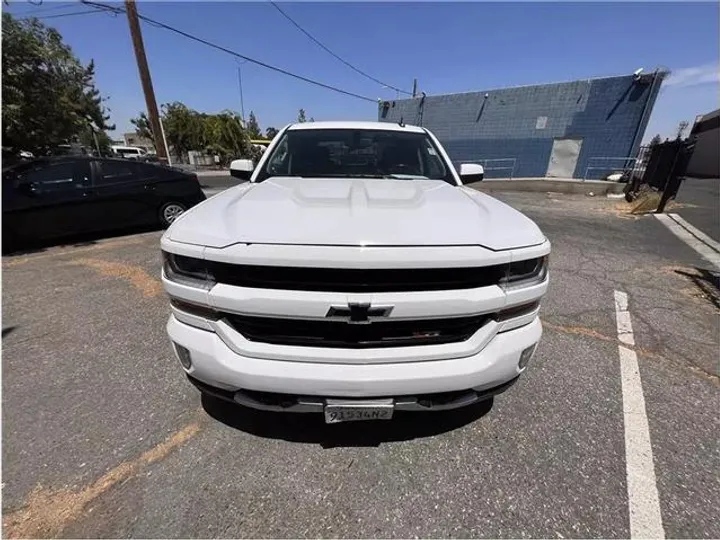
column 339, row 410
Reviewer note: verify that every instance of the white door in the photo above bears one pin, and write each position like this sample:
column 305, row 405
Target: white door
column 563, row 158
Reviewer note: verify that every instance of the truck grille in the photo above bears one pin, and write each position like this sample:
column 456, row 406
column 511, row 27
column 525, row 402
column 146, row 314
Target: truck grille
column 339, row 334
column 356, row 280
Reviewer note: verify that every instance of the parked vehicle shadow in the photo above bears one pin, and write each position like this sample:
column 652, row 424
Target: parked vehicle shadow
column 8, row 330
column 87, row 239
column 311, row 428
column 707, row 281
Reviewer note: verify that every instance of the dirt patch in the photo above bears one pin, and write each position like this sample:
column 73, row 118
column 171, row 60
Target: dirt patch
column 148, row 285
column 619, row 209
column 704, row 286
column 48, row 512
column 647, row 204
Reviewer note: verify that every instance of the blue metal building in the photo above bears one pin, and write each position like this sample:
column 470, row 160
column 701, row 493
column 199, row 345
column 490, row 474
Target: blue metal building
column 580, row 129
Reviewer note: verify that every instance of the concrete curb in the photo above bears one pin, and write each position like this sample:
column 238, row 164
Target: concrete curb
column 219, row 172
column 555, row 185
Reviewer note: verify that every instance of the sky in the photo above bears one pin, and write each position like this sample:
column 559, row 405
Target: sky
column 448, row 47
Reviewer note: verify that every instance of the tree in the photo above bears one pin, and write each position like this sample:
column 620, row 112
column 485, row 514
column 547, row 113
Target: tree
column 253, row 128
column 655, row 140
column 143, row 127
column 49, row 96
column 301, row 116
column 682, row 126
column 270, row 133
column 93, row 141
column 186, row 130
column 183, row 127
column 226, row 136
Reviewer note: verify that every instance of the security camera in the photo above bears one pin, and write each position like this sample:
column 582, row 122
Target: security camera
column 637, row 72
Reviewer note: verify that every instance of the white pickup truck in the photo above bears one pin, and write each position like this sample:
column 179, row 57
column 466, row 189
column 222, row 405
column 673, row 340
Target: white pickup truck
column 354, row 275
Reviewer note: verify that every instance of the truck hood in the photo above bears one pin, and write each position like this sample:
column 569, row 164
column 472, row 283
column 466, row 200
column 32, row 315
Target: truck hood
column 354, row 212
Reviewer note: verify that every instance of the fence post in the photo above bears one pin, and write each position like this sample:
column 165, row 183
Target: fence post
column 677, row 172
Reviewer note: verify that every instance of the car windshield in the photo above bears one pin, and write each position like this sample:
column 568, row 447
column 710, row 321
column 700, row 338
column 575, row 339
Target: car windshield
column 357, row 153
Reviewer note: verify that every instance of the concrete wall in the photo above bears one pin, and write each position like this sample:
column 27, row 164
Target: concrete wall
column 609, row 115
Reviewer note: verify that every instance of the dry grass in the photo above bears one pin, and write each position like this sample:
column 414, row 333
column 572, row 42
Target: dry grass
column 47, row 512
column 646, row 202
column 620, row 209
column 148, row 285
column 648, row 353
column 589, row 332
column 579, row 330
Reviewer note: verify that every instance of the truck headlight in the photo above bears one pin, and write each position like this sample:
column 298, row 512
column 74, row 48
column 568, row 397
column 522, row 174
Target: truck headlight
column 526, row 273
column 187, row 270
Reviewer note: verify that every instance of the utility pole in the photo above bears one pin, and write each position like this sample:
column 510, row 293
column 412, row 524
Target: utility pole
column 153, row 115
column 414, row 87
column 242, row 104
column 95, row 138
column 162, row 128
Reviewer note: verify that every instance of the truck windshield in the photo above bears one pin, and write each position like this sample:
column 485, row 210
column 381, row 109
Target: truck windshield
column 356, row 153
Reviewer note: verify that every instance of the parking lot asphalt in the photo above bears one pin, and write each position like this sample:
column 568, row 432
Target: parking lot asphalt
column 104, row 437
column 699, row 200
column 217, row 180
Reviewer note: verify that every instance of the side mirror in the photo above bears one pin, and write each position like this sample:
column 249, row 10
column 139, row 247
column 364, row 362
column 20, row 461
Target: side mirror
column 471, row 172
column 242, row 168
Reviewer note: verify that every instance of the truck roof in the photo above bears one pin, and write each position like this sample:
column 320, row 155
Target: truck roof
column 386, row 126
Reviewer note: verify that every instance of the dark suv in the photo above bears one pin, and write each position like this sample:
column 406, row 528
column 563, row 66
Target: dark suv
column 54, row 197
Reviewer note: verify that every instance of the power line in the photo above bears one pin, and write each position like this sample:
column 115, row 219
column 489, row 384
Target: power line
column 47, row 9
column 44, row 17
column 233, row 53
column 323, row 47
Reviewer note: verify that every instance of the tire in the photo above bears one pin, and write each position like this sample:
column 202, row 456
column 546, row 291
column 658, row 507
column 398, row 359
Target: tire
column 170, row 211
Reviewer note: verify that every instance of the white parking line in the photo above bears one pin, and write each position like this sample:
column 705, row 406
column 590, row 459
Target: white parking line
column 643, row 501
column 705, row 246
column 696, row 232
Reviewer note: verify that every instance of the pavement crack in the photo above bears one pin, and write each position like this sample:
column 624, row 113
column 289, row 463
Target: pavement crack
column 48, row 512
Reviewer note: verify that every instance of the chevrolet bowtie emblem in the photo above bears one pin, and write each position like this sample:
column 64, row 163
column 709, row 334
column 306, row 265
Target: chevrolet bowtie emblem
column 358, row 313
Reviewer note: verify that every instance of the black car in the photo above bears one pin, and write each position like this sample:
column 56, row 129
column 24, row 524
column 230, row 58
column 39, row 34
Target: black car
column 61, row 196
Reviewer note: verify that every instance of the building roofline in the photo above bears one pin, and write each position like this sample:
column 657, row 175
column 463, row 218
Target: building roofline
column 662, row 71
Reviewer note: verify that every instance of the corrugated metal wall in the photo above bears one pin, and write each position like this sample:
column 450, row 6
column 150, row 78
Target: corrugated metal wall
column 609, row 115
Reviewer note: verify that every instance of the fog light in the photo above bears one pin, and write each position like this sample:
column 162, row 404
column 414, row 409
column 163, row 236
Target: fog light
column 525, row 356
column 183, row 355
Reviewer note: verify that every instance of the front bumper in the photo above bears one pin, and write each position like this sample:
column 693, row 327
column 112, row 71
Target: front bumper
column 275, row 402
column 217, row 365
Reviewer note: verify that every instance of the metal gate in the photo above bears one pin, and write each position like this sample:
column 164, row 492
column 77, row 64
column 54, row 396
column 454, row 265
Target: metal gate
column 665, row 169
